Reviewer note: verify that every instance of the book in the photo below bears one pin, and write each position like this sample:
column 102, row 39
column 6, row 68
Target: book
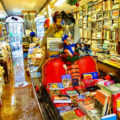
column 63, row 107
column 105, row 5
column 75, row 82
column 111, row 89
column 115, row 102
column 73, row 94
column 104, row 83
column 86, row 104
column 61, row 99
column 73, row 115
column 80, row 89
column 54, row 92
column 66, row 80
column 60, row 86
column 55, row 86
column 118, row 103
column 102, row 101
column 110, row 117
column 89, row 82
column 90, row 75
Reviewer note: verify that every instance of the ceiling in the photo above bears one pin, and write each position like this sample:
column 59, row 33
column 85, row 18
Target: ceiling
column 15, row 7
column 65, row 7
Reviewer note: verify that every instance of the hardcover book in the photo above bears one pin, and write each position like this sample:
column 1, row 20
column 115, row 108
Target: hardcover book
column 55, row 86
column 61, row 99
column 63, row 107
column 66, row 80
column 110, row 117
column 73, row 94
column 73, row 115
column 111, row 89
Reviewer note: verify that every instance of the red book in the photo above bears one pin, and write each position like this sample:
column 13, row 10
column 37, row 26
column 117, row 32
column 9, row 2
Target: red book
column 63, row 92
column 115, row 97
column 69, row 89
column 79, row 113
column 61, row 104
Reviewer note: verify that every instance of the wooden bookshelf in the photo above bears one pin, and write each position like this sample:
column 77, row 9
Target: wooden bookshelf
column 100, row 20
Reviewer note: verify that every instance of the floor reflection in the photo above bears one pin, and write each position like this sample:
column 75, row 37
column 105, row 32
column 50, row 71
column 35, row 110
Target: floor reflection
column 18, row 100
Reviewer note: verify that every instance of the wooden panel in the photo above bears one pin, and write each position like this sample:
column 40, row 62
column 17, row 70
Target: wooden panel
column 108, row 69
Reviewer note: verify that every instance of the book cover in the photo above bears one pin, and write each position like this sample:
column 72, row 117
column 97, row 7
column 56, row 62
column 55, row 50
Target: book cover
column 111, row 89
column 91, row 75
column 60, row 85
column 118, row 103
column 86, row 104
column 54, row 92
column 73, row 115
column 63, row 107
column 61, row 99
column 80, row 89
column 89, row 82
column 75, row 82
column 66, row 80
column 110, row 117
column 73, row 94
column 53, row 86
column 102, row 102
column 115, row 97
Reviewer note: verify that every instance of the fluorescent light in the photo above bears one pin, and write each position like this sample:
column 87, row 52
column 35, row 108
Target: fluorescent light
column 13, row 100
column 59, row 2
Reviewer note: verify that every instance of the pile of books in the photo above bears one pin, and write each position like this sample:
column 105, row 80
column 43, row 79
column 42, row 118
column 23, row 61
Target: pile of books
column 36, row 54
column 77, row 102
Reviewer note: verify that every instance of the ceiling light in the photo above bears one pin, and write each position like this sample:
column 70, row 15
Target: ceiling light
column 59, row 2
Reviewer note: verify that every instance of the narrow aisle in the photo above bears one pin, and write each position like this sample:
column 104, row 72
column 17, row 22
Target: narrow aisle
column 18, row 100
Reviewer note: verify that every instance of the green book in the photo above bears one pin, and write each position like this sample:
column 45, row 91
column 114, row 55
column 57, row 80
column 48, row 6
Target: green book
column 111, row 89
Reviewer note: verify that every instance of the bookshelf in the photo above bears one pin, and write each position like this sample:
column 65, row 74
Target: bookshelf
column 100, row 20
column 3, row 32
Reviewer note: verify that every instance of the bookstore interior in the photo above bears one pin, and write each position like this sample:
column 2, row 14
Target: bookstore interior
column 60, row 60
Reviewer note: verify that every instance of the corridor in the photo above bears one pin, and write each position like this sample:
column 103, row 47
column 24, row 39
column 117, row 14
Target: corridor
column 18, row 100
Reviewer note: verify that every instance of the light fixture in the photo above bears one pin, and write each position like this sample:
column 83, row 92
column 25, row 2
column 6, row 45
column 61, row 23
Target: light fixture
column 59, row 2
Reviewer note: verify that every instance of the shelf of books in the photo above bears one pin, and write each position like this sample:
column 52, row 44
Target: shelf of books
column 99, row 23
column 3, row 31
column 94, row 99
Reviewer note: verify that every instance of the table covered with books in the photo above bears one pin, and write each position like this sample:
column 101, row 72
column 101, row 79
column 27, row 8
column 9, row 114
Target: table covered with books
column 72, row 88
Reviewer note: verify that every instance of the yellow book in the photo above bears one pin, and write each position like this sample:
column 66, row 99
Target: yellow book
column 118, row 103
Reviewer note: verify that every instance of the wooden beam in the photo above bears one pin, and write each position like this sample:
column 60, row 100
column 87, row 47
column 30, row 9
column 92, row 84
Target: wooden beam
column 3, row 7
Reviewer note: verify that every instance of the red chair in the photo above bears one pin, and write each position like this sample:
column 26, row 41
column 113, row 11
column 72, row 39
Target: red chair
column 52, row 71
column 87, row 64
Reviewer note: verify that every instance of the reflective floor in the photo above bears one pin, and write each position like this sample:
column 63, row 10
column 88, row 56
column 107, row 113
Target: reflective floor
column 18, row 100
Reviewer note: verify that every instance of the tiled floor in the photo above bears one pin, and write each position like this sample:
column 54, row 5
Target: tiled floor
column 18, row 100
